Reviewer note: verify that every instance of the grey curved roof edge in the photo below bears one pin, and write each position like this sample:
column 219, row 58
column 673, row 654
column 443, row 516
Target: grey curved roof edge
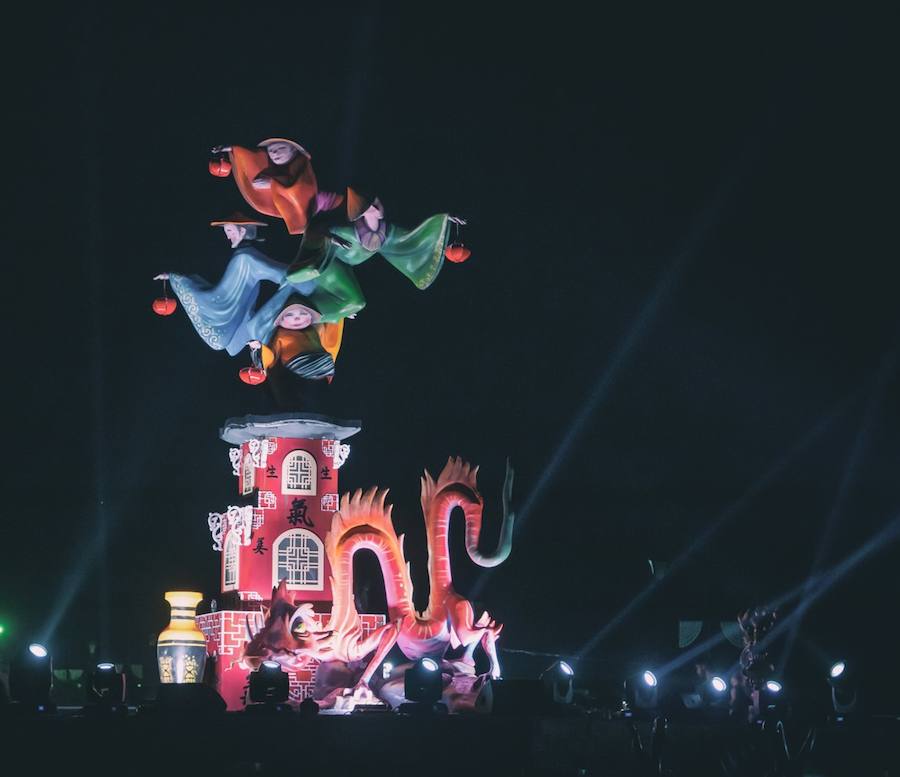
column 301, row 426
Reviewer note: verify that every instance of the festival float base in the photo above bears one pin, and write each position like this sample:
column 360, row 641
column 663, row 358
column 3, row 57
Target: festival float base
column 287, row 573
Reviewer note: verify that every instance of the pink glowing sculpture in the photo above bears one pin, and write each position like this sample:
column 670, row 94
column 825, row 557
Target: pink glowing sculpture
column 292, row 634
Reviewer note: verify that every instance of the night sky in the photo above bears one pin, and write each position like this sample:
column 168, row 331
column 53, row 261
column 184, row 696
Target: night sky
column 680, row 311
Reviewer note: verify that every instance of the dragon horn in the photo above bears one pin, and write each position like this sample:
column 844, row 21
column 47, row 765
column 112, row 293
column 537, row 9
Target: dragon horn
column 250, row 634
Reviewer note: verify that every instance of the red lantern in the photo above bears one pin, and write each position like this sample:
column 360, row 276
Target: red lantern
column 221, row 168
column 253, row 376
column 164, row 306
column 457, row 252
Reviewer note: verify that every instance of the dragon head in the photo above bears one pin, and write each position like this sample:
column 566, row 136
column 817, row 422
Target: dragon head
column 290, row 634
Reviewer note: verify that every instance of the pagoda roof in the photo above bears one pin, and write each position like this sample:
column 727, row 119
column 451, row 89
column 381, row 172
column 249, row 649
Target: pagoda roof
column 300, row 426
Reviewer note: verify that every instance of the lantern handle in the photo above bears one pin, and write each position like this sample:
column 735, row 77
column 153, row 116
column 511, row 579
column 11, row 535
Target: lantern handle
column 457, row 222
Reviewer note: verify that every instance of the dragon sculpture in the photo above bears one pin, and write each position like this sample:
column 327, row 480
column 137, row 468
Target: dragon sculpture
column 291, row 634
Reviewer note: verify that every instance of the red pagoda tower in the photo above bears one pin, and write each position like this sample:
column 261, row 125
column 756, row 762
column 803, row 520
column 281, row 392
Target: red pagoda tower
column 287, row 472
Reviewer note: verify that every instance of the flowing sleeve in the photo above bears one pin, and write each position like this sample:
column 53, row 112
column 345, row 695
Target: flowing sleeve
column 220, row 313
column 417, row 253
column 330, row 336
column 295, row 199
column 245, row 166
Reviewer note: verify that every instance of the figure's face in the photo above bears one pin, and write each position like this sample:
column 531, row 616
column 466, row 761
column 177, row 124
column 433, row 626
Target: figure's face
column 295, row 317
column 234, row 233
column 281, row 153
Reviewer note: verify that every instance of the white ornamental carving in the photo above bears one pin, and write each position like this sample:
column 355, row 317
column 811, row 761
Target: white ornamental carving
column 259, row 518
column 217, row 529
column 257, row 452
column 341, row 454
column 266, row 500
column 241, row 519
column 260, row 450
column 234, row 455
column 237, row 518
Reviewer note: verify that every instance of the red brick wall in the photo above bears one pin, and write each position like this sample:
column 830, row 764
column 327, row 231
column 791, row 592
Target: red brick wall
column 226, row 633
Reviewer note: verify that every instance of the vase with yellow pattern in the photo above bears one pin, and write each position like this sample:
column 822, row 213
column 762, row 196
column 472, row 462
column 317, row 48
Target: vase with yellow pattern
column 181, row 647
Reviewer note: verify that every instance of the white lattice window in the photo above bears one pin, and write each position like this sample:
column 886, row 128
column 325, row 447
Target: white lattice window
column 299, row 558
column 248, row 471
column 231, row 561
column 298, row 474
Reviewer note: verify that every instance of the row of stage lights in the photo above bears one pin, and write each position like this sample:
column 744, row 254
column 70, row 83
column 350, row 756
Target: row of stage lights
column 269, row 687
column 31, row 675
column 31, row 681
column 643, row 691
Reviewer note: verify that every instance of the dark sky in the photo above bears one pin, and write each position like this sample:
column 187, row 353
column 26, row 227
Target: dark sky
column 681, row 275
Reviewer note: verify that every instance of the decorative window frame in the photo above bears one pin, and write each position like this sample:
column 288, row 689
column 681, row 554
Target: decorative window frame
column 319, row 584
column 248, row 475
column 311, row 462
column 232, row 540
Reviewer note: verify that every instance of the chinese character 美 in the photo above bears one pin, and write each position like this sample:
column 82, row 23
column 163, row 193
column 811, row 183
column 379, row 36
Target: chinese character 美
column 259, row 546
column 271, row 471
column 326, row 473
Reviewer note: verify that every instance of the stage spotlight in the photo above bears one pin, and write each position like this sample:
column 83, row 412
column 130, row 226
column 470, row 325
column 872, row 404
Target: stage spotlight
column 557, row 682
column 642, row 691
column 714, row 692
column 31, row 675
column 31, row 678
column 709, row 697
column 269, row 684
column 771, row 701
column 843, row 689
column 423, row 682
column 107, row 687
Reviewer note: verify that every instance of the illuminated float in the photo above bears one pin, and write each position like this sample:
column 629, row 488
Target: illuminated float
column 287, row 544
column 287, row 571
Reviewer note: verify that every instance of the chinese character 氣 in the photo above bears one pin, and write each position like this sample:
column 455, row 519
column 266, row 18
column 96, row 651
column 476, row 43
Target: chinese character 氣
column 298, row 513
